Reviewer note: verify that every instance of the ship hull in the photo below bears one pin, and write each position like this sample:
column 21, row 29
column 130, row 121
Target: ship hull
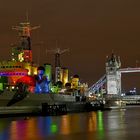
column 33, row 103
column 47, row 104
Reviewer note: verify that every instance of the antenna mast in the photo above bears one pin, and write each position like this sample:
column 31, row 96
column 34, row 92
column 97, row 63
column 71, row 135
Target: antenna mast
column 24, row 29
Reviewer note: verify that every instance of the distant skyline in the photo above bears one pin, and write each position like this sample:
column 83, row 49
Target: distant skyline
column 91, row 29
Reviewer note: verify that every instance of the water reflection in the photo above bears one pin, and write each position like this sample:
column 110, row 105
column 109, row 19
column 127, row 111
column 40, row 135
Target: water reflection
column 116, row 120
column 65, row 124
column 100, row 124
column 93, row 125
column 91, row 122
column 40, row 127
column 24, row 129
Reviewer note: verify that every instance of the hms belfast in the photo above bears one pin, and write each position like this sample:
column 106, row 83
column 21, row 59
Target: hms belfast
column 15, row 98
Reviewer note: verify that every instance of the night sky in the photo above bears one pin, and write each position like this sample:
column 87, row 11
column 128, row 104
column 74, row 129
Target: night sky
column 91, row 29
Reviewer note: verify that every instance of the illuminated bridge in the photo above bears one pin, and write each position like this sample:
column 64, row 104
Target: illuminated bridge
column 128, row 70
column 110, row 83
column 98, row 85
column 131, row 99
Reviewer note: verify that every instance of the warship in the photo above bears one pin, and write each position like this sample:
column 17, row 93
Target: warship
column 19, row 92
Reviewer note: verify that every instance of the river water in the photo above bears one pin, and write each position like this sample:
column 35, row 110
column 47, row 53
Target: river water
column 117, row 124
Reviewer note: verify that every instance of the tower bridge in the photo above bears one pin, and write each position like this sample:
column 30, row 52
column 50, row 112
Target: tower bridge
column 111, row 81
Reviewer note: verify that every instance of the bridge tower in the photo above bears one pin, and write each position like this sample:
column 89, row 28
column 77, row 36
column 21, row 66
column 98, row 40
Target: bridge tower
column 113, row 75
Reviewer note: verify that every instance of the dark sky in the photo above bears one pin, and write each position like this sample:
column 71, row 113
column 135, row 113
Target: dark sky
column 91, row 29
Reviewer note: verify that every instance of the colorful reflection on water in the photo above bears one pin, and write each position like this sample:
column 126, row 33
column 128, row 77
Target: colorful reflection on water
column 40, row 127
column 100, row 124
column 93, row 125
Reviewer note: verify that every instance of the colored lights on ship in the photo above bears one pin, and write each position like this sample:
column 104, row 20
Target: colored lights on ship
column 12, row 73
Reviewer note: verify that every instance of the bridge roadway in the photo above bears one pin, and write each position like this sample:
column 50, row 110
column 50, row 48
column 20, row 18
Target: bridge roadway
column 131, row 99
column 128, row 70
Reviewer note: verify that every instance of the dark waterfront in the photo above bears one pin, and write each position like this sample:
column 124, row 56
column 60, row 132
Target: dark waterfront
column 116, row 124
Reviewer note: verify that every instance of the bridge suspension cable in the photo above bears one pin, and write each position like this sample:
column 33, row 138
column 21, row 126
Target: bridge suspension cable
column 95, row 87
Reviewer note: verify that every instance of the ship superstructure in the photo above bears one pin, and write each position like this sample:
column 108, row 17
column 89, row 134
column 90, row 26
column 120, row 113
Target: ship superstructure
column 23, row 52
column 21, row 62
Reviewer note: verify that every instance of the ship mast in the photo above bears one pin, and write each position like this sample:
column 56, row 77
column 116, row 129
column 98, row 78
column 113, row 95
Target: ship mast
column 58, row 52
column 24, row 49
